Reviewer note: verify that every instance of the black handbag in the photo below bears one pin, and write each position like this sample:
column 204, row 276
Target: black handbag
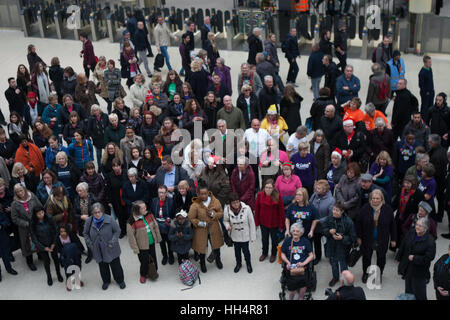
column 353, row 256
column 159, row 61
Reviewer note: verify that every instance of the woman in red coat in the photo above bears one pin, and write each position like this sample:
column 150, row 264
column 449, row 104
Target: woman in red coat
column 243, row 182
column 30, row 156
column 269, row 213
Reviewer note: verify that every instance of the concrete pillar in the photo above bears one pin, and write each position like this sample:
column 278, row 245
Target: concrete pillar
column 58, row 24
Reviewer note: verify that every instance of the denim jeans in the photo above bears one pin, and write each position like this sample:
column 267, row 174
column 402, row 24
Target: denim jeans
column 335, row 266
column 315, row 83
column 143, row 59
column 166, row 56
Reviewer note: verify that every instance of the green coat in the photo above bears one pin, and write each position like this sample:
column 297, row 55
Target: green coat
column 114, row 135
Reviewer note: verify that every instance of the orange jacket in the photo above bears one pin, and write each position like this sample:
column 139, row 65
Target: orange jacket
column 356, row 115
column 370, row 122
column 302, row 6
column 32, row 158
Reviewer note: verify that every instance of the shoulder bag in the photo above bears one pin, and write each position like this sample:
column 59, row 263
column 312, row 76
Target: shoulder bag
column 299, row 271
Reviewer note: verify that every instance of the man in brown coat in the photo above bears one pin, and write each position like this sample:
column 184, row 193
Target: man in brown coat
column 204, row 215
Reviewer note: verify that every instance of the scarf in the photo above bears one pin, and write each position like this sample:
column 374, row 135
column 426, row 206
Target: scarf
column 98, row 222
column 404, row 198
column 376, row 213
column 236, row 211
column 32, row 104
column 350, row 136
column 16, row 128
column 160, row 150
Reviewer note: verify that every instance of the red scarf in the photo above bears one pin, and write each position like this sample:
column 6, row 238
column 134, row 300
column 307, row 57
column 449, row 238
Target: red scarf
column 350, row 136
column 33, row 104
column 404, row 198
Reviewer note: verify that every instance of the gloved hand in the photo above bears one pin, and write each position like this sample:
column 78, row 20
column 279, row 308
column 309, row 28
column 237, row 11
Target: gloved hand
column 202, row 224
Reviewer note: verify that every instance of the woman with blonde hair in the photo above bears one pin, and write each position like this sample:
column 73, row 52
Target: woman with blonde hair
column 138, row 91
column 99, row 75
column 122, row 111
column 198, row 79
column 67, row 172
column 21, row 212
column 156, row 79
column 41, row 134
column 301, row 210
column 85, row 92
column 20, row 174
column 383, row 172
column 212, row 50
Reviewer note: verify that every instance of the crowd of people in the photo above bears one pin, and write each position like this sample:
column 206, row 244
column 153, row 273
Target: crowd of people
column 70, row 170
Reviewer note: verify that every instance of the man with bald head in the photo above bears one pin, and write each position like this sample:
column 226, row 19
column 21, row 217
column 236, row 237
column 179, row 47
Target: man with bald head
column 347, row 290
column 330, row 123
column 232, row 115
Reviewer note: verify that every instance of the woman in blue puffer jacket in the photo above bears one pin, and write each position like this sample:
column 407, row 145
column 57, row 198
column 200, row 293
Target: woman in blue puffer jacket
column 81, row 149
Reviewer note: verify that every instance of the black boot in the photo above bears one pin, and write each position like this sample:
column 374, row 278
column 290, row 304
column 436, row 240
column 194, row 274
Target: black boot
column 171, row 258
column 196, row 256
column 89, row 256
column 219, row 262
column 164, row 261
column 211, row 257
column 249, row 267
column 237, row 268
column 227, row 240
column 202, row 263
column 49, row 275
column 30, row 263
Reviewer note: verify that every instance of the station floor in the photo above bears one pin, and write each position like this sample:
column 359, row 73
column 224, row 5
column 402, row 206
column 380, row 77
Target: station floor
column 223, row 284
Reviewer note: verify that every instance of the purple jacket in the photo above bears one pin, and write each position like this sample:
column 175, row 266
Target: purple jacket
column 225, row 77
column 305, row 168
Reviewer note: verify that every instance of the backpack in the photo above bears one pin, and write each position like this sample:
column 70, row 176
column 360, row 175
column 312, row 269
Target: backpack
column 188, row 274
column 383, row 93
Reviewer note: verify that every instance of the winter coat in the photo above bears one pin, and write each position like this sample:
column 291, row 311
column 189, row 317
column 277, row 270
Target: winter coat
column 426, row 83
column 29, row 181
column 162, row 36
column 315, row 65
column 338, row 249
column 178, row 87
column 49, row 113
column 96, row 185
column 112, row 81
column 99, row 75
column 69, row 131
column 96, row 129
column 292, row 50
column 346, row 192
column 32, row 158
column 322, row 158
column 86, row 100
column 33, row 58
column 178, row 201
column 199, row 83
column 81, row 154
column 138, row 235
column 411, row 208
column 395, row 73
column 22, row 219
column 404, row 105
column 69, row 85
column 242, row 225
column 57, row 212
column 149, row 132
column 290, row 111
column 180, row 245
column 265, row 68
column 318, row 110
column 103, row 242
column 423, row 250
column 64, row 114
column 77, row 209
column 441, row 273
column 323, row 204
column 75, row 174
column 252, row 80
column 244, row 187
column 410, row 223
column 198, row 212
column 141, row 193
column 377, row 142
column 114, row 134
column 267, row 97
column 41, row 191
column 438, row 119
column 287, row 187
column 357, row 144
column 330, row 127
column 255, row 112
column 438, row 157
column 343, row 95
column 374, row 87
column 126, row 145
column 272, row 54
column 56, row 74
column 421, row 132
column 218, row 183
column 180, row 174
column 211, row 54
column 16, row 101
column 386, row 228
column 225, row 77
column 88, row 54
column 189, row 123
column 255, row 45
column 167, row 213
column 331, row 75
column 268, row 213
column 43, row 234
column 137, row 94
column 70, row 253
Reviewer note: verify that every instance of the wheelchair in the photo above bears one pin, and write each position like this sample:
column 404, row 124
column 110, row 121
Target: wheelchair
column 311, row 281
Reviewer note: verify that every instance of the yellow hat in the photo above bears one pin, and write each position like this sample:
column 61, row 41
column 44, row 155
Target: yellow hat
column 272, row 109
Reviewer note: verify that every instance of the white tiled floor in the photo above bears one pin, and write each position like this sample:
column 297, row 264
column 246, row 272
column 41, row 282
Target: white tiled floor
column 263, row 282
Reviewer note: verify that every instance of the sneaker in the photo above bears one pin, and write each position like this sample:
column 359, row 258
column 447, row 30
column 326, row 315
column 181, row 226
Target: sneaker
column 105, row 285
column 237, row 268
column 332, row 282
column 445, row 235
column 262, row 257
column 164, row 261
column 150, row 55
column 142, row 279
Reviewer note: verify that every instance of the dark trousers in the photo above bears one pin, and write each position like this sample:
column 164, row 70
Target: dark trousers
column 367, row 257
column 241, row 247
column 335, row 263
column 427, row 102
column 87, row 70
column 256, row 172
column 4, row 254
column 265, row 232
column 144, row 259
column 440, row 196
column 416, row 286
column 293, row 71
column 342, row 61
column 317, row 240
column 165, row 245
column 182, row 256
column 46, row 259
column 116, row 269
column 381, row 107
column 122, row 215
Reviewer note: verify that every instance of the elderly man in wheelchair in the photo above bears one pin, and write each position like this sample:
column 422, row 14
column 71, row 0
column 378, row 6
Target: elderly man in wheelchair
column 297, row 255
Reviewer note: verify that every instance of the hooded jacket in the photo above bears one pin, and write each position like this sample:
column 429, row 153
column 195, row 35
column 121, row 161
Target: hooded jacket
column 242, row 224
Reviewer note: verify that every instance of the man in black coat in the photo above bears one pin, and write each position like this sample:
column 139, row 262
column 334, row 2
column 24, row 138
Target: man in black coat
column 268, row 96
column 141, row 43
column 348, row 291
column 190, row 45
column 380, row 139
column 340, row 45
column 331, row 124
column 325, row 45
column 255, row 45
column 291, row 53
column 351, row 142
column 426, row 86
column 331, row 74
column 318, row 107
column 16, row 99
column 438, row 157
column 404, row 106
column 438, row 118
column 204, row 29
